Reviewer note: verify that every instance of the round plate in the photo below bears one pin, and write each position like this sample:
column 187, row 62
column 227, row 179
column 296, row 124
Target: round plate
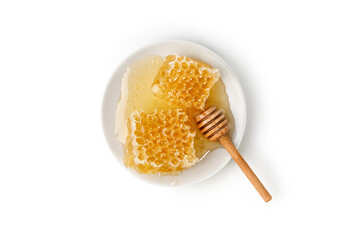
column 216, row 159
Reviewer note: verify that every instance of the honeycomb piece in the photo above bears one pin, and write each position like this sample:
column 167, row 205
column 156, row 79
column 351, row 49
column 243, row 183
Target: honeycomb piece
column 184, row 81
column 161, row 142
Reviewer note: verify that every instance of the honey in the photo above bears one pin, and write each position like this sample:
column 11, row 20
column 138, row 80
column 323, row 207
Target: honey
column 185, row 81
column 141, row 110
column 161, row 141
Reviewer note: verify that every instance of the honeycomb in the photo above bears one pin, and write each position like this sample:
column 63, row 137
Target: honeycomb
column 161, row 141
column 184, row 81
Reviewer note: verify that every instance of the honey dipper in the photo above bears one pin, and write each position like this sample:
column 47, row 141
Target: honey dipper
column 214, row 126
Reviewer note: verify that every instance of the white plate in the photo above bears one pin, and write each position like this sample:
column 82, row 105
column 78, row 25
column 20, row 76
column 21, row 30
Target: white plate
column 215, row 160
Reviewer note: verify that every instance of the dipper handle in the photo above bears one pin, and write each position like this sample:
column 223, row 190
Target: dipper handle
column 229, row 146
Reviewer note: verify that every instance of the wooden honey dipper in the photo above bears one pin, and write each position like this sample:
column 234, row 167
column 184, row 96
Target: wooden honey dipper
column 214, row 126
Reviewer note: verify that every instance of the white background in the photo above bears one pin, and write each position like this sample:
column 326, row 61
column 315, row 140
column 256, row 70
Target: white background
column 298, row 62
